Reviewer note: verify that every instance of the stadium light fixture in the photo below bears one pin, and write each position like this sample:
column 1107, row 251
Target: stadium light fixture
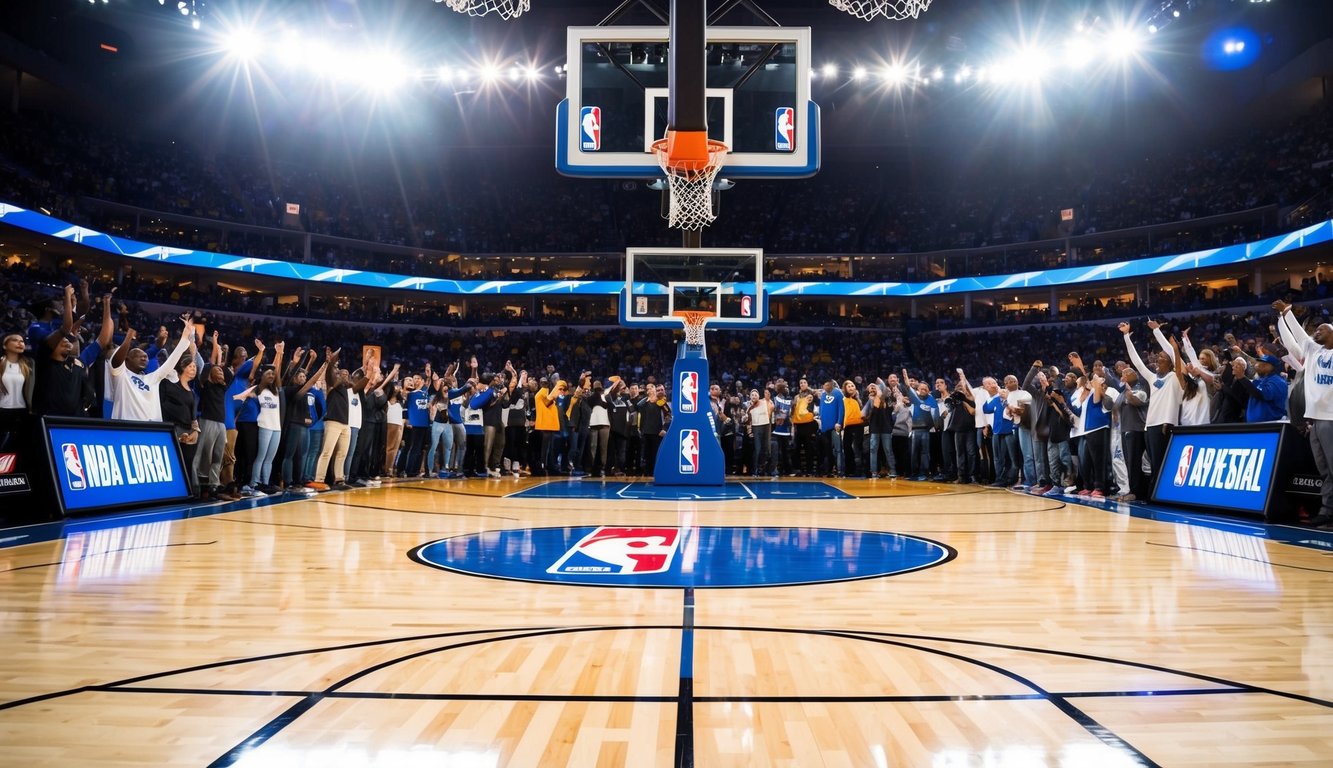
column 830, row 70
column 241, row 44
column 858, row 73
column 1122, row 43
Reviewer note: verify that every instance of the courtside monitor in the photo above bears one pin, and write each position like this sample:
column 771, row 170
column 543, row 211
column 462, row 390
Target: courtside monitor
column 725, row 283
column 757, row 93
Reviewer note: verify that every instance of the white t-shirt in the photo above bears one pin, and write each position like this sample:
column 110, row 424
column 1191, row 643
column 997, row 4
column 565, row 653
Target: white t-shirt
column 353, row 409
column 1019, row 398
column 600, row 417
column 760, row 416
column 134, row 396
column 1198, row 409
column 394, row 415
column 270, row 417
column 13, row 397
column 1318, row 382
column 980, row 396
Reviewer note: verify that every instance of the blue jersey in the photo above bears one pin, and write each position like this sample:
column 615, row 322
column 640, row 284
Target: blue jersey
column 417, row 404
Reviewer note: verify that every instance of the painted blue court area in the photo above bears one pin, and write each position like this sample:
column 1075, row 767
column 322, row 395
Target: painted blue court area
column 705, row 557
column 589, row 489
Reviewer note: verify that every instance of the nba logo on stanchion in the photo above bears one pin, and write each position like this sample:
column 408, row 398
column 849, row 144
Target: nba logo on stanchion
column 689, row 392
column 784, row 129
column 590, row 128
column 1183, row 468
column 74, row 477
column 689, row 452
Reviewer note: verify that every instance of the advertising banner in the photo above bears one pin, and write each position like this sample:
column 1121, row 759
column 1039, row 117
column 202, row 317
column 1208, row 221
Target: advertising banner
column 1221, row 466
column 103, row 465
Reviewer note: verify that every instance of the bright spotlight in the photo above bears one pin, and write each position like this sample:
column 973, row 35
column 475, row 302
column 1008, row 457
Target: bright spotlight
column 444, row 74
column 490, row 73
column 858, row 73
column 895, row 74
column 938, row 74
column 241, row 44
column 1077, row 53
column 830, row 70
column 1122, row 43
column 514, row 73
column 531, row 73
column 1152, row 29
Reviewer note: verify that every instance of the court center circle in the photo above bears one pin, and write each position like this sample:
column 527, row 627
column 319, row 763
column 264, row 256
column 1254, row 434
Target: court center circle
column 703, row 557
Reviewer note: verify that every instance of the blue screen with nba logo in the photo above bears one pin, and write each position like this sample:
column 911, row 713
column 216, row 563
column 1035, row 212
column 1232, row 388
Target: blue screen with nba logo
column 1220, row 468
column 113, row 464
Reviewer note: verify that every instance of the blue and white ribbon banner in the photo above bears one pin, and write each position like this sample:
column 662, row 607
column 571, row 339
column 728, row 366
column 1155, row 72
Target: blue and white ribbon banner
column 1241, row 253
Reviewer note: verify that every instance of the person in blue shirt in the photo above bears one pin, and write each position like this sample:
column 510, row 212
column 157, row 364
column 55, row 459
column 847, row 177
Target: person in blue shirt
column 924, row 410
column 416, row 411
column 831, row 412
column 1004, row 443
column 1268, row 391
column 315, row 432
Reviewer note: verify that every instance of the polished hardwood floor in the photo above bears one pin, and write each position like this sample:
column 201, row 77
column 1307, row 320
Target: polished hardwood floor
column 303, row 634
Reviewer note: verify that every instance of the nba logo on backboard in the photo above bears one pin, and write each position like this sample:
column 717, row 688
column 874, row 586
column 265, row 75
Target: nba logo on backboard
column 640, row 305
column 784, row 129
column 689, row 452
column 1183, row 468
column 590, row 127
column 747, row 306
column 689, row 392
column 74, row 477
column 630, row 551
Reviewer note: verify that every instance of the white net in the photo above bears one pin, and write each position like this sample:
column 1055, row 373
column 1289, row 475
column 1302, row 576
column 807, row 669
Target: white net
column 893, row 10
column 694, row 327
column 691, row 198
column 505, row 9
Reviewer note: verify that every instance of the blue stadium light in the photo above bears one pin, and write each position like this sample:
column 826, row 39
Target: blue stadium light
column 1231, row 48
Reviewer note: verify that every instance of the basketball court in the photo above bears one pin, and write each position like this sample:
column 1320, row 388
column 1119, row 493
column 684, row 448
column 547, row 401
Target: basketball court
column 850, row 623
column 679, row 619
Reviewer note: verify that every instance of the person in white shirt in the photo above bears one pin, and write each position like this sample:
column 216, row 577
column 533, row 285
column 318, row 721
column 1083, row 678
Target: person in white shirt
column 1316, row 354
column 1164, row 403
column 134, row 394
column 268, row 393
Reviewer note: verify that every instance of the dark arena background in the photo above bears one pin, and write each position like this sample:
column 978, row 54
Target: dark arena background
column 491, row 383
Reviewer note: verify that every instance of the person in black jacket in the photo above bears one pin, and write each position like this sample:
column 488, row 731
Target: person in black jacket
column 179, row 408
column 654, row 416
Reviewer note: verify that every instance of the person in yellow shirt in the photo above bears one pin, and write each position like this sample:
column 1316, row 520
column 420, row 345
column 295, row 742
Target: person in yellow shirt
column 853, row 431
column 803, row 420
column 547, row 423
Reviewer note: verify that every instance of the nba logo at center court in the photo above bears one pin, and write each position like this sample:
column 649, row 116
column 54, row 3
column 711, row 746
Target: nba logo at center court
column 590, row 129
column 689, row 392
column 74, row 477
column 1183, row 469
column 784, row 129
column 689, row 452
column 620, row 551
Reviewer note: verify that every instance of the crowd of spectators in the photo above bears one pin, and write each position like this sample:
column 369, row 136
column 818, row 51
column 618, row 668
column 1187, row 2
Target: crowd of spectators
column 501, row 206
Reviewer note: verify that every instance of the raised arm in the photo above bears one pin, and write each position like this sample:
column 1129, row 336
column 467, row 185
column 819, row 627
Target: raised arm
column 1293, row 335
column 108, row 325
column 1178, row 361
column 1161, row 340
column 1148, row 376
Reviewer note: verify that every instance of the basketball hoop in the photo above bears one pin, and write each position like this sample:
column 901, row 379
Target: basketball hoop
column 691, row 185
column 505, row 9
column 694, row 325
column 893, row 10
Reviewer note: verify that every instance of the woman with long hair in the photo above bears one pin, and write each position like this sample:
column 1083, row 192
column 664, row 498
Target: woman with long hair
column 180, row 409
column 268, row 395
column 393, row 418
column 16, row 389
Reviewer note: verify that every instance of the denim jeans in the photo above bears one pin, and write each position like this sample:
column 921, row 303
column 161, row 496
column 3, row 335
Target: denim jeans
column 1007, row 457
column 268, row 448
column 441, row 436
column 314, row 444
column 830, row 440
column 884, row 441
column 763, row 436
column 293, row 457
column 351, row 451
column 1060, row 463
column 920, row 452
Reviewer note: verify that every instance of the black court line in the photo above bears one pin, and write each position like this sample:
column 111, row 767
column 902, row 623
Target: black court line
column 1240, row 557
column 110, row 552
column 1101, row 732
column 309, row 527
column 277, row 724
column 1248, row 688
column 685, row 695
column 418, row 511
column 448, row 492
column 662, row 699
